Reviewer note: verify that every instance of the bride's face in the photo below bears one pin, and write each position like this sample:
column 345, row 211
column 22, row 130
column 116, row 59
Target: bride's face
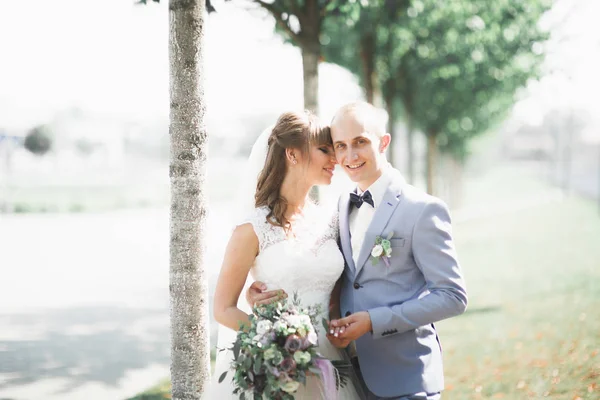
column 320, row 164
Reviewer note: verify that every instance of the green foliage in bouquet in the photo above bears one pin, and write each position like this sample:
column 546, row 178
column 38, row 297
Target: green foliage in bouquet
column 276, row 354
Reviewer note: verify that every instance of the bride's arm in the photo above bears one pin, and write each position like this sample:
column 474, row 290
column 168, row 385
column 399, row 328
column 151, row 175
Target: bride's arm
column 241, row 251
column 334, row 301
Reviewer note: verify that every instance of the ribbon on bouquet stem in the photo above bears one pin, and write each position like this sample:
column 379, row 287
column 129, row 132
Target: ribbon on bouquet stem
column 329, row 378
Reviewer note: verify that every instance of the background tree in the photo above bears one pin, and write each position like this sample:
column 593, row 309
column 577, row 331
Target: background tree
column 448, row 68
column 301, row 23
column 469, row 60
column 38, row 140
column 366, row 45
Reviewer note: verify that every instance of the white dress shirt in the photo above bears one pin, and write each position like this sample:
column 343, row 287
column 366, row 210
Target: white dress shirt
column 360, row 218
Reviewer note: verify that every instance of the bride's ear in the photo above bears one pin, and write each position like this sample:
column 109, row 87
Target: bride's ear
column 291, row 155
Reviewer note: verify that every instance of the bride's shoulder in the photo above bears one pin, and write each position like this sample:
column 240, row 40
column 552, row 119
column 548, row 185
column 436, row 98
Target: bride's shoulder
column 257, row 217
column 261, row 213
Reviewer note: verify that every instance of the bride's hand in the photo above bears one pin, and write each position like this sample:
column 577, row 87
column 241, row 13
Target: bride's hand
column 257, row 295
column 333, row 336
column 338, row 342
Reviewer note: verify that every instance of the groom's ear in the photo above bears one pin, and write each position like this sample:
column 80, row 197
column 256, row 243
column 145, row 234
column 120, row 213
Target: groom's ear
column 384, row 142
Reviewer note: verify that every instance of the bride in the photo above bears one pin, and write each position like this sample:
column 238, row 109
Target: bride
column 284, row 241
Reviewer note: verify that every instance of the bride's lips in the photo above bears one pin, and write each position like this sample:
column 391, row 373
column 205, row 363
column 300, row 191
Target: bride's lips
column 330, row 170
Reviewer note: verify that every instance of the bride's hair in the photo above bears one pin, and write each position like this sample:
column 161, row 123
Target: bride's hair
column 292, row 130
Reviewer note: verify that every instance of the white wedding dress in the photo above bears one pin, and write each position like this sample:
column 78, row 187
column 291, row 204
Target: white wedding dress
column 308, row 264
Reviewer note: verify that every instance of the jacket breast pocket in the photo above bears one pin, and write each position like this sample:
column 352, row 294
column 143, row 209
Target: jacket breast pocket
column 397, row 242
column 401, row 251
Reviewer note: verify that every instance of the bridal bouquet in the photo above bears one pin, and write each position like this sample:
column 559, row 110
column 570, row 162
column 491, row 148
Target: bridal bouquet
column 277, row 353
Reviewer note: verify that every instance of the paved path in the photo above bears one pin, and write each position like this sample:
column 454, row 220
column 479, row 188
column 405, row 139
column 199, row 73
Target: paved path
column 84, row 303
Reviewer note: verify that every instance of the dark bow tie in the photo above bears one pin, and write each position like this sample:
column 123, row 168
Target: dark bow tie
column 363, row 198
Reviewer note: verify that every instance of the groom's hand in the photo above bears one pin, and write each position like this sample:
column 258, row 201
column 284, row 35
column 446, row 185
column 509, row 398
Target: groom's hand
column 354, row 325
column 257, row 295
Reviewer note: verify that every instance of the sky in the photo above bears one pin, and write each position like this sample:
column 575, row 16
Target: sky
column 111, row 57
column 572, row 62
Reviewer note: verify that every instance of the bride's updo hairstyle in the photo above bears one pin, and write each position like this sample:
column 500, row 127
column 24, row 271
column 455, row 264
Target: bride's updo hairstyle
column 296, row 131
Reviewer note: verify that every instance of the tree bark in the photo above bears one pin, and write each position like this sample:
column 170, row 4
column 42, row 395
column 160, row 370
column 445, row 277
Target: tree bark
column 310, row 70
column 431, row 160
column 190, row 355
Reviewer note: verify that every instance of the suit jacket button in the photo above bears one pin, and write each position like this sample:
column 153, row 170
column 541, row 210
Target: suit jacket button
column 347, row 313
column 356, row 285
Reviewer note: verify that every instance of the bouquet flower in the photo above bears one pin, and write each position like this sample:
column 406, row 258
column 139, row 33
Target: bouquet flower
column 279, row 350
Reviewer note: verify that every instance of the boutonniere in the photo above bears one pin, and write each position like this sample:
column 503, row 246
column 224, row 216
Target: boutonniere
column 382, row 249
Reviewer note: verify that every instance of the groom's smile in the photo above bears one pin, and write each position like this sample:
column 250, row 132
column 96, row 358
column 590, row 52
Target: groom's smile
column 355, row 166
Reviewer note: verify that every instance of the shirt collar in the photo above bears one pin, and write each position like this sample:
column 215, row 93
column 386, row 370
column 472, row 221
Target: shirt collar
column 378, row 188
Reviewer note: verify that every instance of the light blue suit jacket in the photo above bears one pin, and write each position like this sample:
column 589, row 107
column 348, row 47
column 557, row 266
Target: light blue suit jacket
column 423, row 285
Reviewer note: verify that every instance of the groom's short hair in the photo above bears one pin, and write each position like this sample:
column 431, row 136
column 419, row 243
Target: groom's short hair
column 374, row 119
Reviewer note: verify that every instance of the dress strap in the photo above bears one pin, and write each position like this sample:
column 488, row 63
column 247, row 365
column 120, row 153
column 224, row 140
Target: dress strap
column 267, row 233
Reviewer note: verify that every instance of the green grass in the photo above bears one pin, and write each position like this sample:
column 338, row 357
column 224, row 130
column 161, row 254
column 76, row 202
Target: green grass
column 159, row 392
column 505, row 184
column 532, row 329
column 73, row 199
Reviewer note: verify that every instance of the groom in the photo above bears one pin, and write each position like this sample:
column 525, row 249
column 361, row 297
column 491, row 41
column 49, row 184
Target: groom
column 391, row 301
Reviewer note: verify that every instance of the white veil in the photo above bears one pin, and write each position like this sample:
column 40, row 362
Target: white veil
column 244, row 207
column 249, row 177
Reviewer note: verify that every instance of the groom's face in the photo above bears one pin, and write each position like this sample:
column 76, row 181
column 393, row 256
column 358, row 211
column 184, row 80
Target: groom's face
column 359, row 152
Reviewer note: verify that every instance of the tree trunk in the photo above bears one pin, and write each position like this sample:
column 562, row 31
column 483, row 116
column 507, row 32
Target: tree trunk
column 190, row 355
column 373, row 92
column 311, row 55
column 431, row 160
column 310, row 32
column 410, row 148
column 310, row 69
column 367, row 56
column 456, row 182
column 410, row 138
column 389, row 106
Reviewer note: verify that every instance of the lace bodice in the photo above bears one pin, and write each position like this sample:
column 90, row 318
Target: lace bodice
column 309, row 263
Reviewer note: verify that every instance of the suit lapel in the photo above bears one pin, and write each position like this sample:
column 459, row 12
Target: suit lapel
column 346, row 245
column 391, row 200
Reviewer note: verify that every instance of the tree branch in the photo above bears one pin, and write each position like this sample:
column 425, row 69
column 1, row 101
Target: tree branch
column 277, row 14
column 297, row 11
column 323, row 10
